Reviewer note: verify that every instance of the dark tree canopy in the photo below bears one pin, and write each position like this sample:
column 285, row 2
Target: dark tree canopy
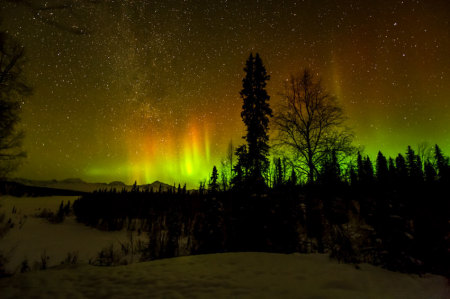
column 311, row 125
column 442, row 164
column 429, row 172
column 331, row 171
column 414, row 166
column 12, row 90
column 382, row 168
column 278, row 176
column 213, row 182
column 255, row 115
column 365, row 172
column 401, row 168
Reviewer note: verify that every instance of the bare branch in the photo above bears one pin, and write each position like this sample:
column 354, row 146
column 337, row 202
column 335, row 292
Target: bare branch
column 12, row 88
column 50, row 14
column 310, row 124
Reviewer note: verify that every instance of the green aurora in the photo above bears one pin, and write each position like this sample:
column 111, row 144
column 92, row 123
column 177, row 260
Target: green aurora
column 151, row 90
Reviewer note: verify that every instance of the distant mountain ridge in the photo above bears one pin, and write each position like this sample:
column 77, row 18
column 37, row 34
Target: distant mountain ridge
column 77, row 184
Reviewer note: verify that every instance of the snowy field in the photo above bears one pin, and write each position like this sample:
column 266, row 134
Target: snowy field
column 228, row 275
column 31, row 236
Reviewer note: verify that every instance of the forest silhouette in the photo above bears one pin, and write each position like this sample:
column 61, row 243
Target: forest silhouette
column 123, row 91
column 320, row 195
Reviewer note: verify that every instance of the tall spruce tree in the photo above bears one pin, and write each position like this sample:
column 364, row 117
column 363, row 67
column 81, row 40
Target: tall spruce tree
column 213, row 183
column 402, row 170
column 368, row 170
column 278, row 175
column 414, row 166
column 331, row 170
column 255, row 115
column 442, row 164
column 365, row 170
column 430, row 172
column 360, row 167
column 392, row 170
column 382, row 169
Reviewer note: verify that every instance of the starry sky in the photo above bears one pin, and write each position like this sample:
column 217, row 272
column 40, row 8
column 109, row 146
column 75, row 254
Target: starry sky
column 149, row 90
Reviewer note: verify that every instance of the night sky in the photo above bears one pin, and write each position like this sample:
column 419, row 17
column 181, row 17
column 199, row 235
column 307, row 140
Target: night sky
column 150, row 90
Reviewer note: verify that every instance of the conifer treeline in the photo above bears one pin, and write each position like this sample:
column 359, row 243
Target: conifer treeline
column 394, row 212
column 408, row 168
column 395, row 215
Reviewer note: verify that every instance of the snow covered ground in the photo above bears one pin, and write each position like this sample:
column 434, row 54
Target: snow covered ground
column 235, row 275
column 31, row 236
column 229, row 275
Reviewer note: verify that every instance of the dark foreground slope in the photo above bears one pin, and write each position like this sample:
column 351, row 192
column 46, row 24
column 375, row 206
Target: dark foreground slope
column 230, row 275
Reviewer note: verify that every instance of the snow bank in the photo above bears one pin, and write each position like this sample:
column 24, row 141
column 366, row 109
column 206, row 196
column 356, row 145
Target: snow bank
column 256, row 275
column 31, row 237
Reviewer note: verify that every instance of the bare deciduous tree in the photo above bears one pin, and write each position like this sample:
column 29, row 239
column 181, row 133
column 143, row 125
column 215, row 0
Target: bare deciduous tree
column 310, row 124
column 226, row 171
column 425, row 151
column 12, row 89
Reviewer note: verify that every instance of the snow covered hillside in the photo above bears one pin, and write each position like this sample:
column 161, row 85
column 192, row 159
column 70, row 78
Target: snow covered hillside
column 30, row 237
column 256, row 275
column 229, row 275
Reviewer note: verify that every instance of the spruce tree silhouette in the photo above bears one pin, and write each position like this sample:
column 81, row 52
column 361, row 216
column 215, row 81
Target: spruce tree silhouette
column 392, row 170
column 213, row 183
column 382, row 169
column 255, row 115
column 241, row 169
column 368, row 170
column 414, row 166
column 402, row 170
column 442, row 164
column 430, row 172
column 360, row 168
column 331, row 171
column 365, row 170
column 278, row 175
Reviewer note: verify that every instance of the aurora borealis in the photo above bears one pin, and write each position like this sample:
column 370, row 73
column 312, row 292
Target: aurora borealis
column 150, row 90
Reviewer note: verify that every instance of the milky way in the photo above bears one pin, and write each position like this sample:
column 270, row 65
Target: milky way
column 149, row 90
